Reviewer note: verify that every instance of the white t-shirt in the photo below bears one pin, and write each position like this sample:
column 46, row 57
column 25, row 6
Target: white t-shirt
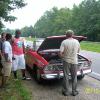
column 70, row 48
column 8, row 49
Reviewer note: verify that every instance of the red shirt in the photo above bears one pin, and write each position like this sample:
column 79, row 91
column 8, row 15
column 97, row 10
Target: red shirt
column 17, row 46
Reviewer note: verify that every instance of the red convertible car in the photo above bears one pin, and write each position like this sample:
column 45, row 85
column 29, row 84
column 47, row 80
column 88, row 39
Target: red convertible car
column 45, row 62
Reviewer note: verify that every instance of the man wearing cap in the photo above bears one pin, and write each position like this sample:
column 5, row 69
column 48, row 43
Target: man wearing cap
column 68, row 51
column 18, row 55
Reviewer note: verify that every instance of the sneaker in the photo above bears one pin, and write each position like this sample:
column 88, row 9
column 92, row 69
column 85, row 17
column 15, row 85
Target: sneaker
column 74, row 93
column 65, row 93
column 26, row 78
column 15, row 79
column 23, row 78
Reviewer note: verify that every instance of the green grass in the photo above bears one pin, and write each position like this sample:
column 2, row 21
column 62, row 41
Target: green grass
column 90, row 46
column 15, row 91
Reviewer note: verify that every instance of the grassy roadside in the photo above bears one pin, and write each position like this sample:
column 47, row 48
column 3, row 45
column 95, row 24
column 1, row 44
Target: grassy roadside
column 90, row 46
column 15, row 91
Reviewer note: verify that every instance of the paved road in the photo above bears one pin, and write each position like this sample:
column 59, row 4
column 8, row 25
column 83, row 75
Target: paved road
column 89, row 89
column 95, row 58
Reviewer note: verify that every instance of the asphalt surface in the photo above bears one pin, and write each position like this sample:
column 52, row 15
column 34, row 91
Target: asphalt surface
column 95, row 58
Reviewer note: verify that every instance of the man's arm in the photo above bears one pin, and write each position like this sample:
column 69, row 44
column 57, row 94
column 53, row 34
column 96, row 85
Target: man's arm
column 78, row 48
column 23, row 48
column 0, row 48
column 6, row 57
column 6, row 51
column 61, row 54
column 61, row 50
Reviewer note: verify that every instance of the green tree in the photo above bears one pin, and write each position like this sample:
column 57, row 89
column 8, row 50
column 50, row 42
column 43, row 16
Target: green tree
column 6, row 6
column 27, row 31
column 86, row 19
column 53, row 22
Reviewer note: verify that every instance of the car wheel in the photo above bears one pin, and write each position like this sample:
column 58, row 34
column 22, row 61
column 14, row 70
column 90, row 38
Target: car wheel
column 38, row 76
column 80, row 77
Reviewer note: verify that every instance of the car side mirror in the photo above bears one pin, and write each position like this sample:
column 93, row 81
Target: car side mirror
column 29, row 45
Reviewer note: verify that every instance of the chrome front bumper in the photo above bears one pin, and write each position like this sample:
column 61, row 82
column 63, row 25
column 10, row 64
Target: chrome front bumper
column 60, row 75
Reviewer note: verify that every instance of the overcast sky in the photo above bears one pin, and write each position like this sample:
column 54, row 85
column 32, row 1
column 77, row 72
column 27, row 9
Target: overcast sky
column 35, row 9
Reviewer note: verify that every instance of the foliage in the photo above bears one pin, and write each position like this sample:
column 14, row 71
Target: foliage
column 27, row 31
column 87, row 20
column 8, row 31
column 6, row 6
column 84, row 19
column 53, row 22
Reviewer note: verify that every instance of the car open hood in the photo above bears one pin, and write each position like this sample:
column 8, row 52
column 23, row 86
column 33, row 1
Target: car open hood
column 54, row 42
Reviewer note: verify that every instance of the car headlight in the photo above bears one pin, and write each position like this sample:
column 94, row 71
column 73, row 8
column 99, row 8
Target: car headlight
column 48, row 68
column 84, row 64
column 51, row 67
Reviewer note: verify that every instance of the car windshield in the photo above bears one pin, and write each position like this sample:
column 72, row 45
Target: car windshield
column 34, row 44
column 37, row 43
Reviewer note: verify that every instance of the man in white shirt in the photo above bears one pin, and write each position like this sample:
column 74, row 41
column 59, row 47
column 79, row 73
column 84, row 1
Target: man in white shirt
column 68, row 51
column 6, row 59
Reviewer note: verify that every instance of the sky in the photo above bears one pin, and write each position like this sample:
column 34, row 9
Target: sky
column 28, row 15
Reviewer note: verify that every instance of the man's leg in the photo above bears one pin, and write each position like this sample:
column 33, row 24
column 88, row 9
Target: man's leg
column 24, row 77
column 1, row 66
column 4, row 81
column 23, row 74
column 6, row 73
column 65, row 89
column 23, row 67
column 15, row 66
column 73, row 71
column 0, row 71
column 15, row 74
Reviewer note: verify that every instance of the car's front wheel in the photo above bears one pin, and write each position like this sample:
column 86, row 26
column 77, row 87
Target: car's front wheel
column 38, row 75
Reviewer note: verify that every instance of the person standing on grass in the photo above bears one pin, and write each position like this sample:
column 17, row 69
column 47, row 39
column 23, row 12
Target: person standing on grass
column 2, row 39
column 6, row 59
column 18, row 55
column 68, row 51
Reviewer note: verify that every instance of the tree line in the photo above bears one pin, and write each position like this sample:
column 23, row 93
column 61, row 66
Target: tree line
column 83, row 19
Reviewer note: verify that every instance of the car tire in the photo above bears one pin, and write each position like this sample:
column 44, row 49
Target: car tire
column 37, row 75
column 80, row 77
